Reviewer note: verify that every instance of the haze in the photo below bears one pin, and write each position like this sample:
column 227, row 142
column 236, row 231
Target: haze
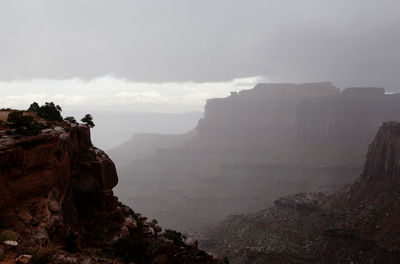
column 262, row 131
column 348, row 42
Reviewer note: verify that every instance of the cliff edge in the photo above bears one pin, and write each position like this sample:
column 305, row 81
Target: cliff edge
column 56, row 192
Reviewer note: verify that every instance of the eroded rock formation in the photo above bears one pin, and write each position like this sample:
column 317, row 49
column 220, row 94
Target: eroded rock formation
column 255, row 146
column 357, row 224
column 56, row 188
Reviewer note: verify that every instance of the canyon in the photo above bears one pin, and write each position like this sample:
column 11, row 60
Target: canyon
column 252, row 148
column 356, row 224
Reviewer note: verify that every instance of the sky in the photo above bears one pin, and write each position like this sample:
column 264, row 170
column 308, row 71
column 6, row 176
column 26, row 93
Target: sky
column 169, row 56
column 117, row 95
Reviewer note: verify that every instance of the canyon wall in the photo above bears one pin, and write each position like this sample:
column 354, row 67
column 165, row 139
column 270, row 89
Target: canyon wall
column 356, row 224
column 256, row 146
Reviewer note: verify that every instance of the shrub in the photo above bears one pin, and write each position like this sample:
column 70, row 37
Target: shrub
column 132, row 249
column 44, row 253
column 225, row 260
column 48, row 111
column 175, row 236
column 34, row 107
column 7, row 234
column 88, row 120
column 23, row 124
column 70, row 119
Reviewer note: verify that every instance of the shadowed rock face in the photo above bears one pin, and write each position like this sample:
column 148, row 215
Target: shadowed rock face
column 57, row 187
column 356, row 224
column 58, row 177
column 255, row 125
column 336, row 130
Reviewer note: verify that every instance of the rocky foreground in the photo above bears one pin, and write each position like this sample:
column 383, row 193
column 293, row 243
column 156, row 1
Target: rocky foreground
column 358, row 224
column 57, row 205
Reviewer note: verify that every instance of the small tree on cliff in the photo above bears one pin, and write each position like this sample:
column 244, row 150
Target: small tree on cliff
column 70, row 119
column 88, row 120
column 34, row 107
column 48, row 111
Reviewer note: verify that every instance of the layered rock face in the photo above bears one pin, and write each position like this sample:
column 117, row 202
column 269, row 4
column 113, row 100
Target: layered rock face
column 254, row 125
column 56, row 188
column 336, row 130
column 357, row 224
column 255, row 146
column 56, row 181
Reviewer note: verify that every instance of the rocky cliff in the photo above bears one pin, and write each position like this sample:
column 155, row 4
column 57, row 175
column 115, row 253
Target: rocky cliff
column 357, row 224
column 255, row 146
column 56, row 189
column 254, row 126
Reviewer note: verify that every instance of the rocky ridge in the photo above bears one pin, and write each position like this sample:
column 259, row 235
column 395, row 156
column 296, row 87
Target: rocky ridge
column 56, row 192
column 357, row 224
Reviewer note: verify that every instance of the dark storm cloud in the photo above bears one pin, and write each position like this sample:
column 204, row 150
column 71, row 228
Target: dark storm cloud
column 348, row 42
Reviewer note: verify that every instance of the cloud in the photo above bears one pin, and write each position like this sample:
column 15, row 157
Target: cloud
column 348, row 42
column 22, row 101
column 150, row 97
column 109, row 93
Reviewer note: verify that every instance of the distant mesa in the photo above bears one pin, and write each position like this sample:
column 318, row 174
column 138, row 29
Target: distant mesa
column 252, row 148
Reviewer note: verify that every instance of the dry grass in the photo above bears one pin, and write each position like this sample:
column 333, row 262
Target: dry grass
column 44, row 253
column 7, row 234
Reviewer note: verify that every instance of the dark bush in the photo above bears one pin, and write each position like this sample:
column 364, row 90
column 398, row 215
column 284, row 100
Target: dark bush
column 132, row 249
column 70, row 119
column 23, row 124
column 175, row 236
column 88, row 120
column 50, row 112
column 34, row 107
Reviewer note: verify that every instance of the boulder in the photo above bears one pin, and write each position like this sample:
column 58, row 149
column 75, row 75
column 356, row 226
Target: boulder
column 10, row 244
column 23, row 259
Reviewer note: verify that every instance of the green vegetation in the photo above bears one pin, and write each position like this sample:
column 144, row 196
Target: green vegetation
column 34, row 107
column 88, row 120
column 70, row 119
column 175, row 236
column 225, row 260
column 23, row 124
column 132, row 249
column 48, row 111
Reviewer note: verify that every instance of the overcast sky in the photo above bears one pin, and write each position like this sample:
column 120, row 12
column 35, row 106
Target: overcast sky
column 151, row 49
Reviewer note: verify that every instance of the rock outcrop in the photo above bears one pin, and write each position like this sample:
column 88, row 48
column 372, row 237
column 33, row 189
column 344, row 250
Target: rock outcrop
column 357, row 224
column 54, row 184
column 56, row 189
